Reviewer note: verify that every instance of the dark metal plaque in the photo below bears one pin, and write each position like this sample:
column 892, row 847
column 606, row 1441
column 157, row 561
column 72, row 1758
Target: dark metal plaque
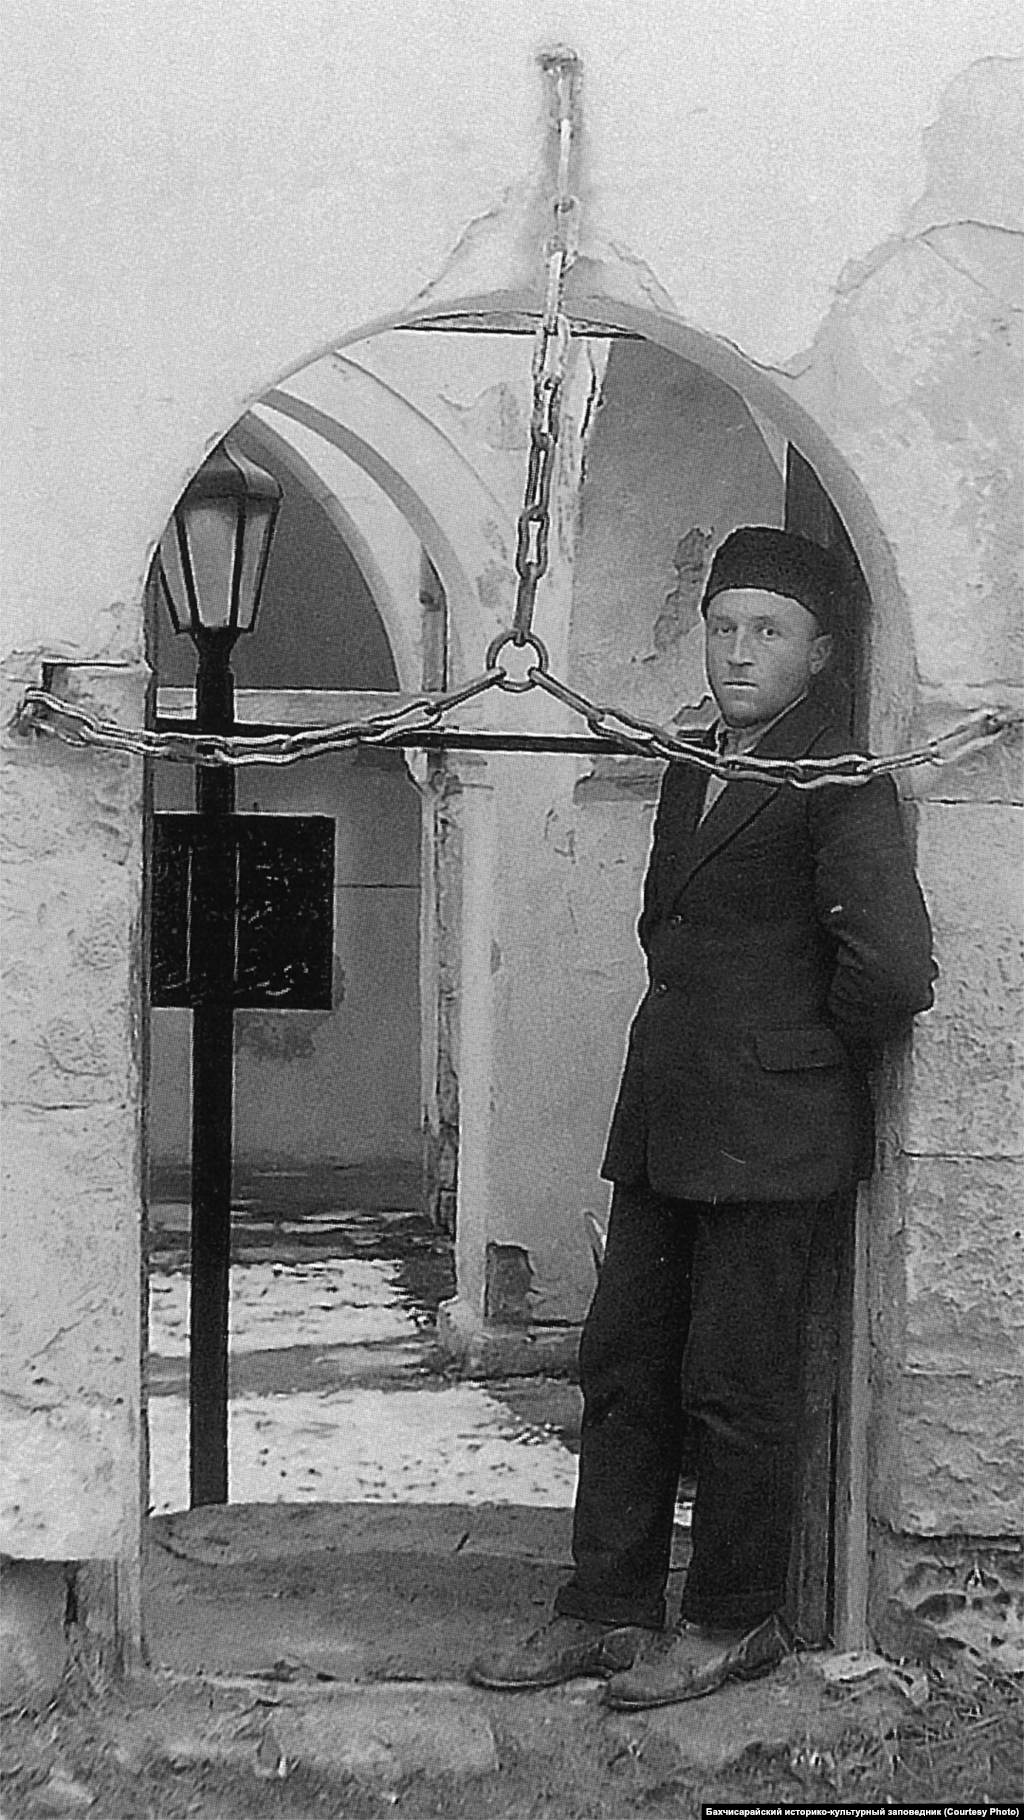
column 280, row 887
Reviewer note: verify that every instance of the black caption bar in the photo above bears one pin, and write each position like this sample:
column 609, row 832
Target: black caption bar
column 895, row 1810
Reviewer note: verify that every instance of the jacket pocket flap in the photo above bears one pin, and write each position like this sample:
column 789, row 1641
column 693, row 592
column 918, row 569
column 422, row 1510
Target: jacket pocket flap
column 780, row 1051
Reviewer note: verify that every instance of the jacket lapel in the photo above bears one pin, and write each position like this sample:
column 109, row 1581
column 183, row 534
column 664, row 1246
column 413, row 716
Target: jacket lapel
column 739, row 803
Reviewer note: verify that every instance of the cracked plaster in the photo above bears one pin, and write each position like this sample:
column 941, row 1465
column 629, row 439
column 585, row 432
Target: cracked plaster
column 915, row 374
column 975, row 150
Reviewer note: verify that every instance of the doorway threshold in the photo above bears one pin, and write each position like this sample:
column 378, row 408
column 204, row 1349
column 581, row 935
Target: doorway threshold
column 352, row 1592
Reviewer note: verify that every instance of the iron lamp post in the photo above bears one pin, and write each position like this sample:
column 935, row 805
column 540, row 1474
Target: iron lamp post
column 211, row 566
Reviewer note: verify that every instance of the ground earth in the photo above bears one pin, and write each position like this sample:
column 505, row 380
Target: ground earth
column 310, row 1661
column 154, row 1752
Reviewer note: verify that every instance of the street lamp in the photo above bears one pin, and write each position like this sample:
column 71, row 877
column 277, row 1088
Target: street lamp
column 211, row 566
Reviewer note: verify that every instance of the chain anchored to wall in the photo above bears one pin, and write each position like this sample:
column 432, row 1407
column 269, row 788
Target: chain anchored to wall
column 420, row 722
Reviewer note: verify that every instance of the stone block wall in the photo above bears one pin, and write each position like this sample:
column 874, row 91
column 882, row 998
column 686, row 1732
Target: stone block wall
column 946, row 1465
column 70, row 1402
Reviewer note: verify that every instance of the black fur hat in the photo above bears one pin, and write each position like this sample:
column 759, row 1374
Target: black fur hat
column 759, row 556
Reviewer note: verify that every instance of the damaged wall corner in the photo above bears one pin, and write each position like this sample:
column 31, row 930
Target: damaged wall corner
column 508, row 1285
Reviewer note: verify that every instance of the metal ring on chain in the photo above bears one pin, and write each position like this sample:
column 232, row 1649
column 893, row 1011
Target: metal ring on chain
column 511, row 684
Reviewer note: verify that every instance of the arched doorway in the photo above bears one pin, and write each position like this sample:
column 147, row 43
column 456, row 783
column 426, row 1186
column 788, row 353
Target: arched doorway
column 642, row 359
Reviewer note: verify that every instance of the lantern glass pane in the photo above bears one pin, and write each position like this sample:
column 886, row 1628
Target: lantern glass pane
column 259, row 523
column 174, row 589
column 211, row 541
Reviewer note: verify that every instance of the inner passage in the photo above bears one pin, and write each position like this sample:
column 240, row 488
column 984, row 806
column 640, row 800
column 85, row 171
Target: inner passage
column 335, row 1392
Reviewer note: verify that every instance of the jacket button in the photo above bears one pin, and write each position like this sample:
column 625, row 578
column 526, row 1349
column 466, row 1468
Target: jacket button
column 675, row 922
column 661, row 989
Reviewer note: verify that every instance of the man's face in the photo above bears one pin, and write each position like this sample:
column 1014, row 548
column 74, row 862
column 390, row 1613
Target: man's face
column 762, row 651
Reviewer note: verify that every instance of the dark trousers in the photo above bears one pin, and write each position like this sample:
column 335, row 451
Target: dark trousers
column 698, row 1310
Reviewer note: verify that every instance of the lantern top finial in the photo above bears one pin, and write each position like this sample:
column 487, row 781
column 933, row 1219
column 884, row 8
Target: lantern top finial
column 228, row 474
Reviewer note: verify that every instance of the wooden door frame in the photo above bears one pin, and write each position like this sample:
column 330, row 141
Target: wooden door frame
column 828, row 1564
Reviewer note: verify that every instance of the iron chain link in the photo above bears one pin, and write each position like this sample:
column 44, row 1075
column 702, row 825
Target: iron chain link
column 43, row 713
column 550, row 355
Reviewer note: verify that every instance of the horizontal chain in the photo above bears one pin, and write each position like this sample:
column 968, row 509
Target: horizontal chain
column 850, row 768
column 40, row 712
column 44, row 713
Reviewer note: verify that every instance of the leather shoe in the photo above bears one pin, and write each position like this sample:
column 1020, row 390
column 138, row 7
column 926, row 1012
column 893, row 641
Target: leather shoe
column 695, row 1660
column 560, row 1651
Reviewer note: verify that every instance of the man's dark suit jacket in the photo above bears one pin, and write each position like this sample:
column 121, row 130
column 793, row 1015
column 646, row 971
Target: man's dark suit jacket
column 787, row 941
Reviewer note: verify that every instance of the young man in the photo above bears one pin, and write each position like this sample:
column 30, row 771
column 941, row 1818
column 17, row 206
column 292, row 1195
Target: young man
column 787, row 942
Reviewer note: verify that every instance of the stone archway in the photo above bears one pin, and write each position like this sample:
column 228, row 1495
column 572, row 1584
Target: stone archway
column 468, row 557
column 771, row 397
column 480, row 580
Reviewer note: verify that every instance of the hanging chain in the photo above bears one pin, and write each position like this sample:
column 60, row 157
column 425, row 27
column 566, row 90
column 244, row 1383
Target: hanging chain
column 550, row 354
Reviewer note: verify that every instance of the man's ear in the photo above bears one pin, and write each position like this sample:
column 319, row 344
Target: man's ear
column 821, row 652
